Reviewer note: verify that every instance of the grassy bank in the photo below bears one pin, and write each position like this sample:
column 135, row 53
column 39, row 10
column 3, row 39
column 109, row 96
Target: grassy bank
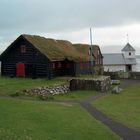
column 9, row 86
column 32, row 120
column 124, row 107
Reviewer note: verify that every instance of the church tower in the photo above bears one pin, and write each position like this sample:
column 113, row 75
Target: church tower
column 128, row 51
column 130, row 57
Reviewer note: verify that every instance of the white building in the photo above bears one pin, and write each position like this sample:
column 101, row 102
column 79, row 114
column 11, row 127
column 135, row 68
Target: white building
column 125, row 61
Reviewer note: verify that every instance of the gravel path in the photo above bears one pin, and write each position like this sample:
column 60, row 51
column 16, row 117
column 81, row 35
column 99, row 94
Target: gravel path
column 121, row 130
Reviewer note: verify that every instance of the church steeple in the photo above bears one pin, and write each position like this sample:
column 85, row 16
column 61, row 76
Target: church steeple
column 127, row 38
column 128, row 51
column 128, row 47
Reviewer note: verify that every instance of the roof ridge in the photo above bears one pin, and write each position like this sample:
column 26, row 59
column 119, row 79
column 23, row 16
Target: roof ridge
column 128, row 47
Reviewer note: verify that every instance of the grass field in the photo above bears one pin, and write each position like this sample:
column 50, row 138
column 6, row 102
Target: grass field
column 22, row 119
column 9, row 86
column 124, row 107
column 76, row 95
column 32, row 120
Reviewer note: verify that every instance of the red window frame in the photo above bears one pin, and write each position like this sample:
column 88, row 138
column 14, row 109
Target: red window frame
column 59, row 64
column 23, row 48
column 68, row 65
column 81, row 66
column 53, row 65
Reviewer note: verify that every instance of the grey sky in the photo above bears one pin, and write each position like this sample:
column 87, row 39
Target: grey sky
column 63, row 18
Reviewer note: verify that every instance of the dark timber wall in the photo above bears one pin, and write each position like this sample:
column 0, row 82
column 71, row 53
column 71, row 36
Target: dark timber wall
column 36, row 64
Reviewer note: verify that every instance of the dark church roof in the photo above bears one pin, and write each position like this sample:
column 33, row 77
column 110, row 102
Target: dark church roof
column 128, row 47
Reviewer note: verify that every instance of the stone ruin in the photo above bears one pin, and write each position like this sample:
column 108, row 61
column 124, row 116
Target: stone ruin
column 102, row 84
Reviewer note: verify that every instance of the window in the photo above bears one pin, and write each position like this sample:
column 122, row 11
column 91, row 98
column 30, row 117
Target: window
column 53, row 65
column 67, row 65
column 23, row 48
column 96, row 61
column 98, row 52
column 59, row 65
column 81, row 66
column 87, row 65
column 129, row 53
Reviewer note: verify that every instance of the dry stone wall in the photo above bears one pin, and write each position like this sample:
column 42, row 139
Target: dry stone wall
column 102, row 84
column 52, row 90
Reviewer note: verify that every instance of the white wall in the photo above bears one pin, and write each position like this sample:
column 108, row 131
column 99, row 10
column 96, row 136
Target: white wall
column 138, row 64
column 126, row 54
column 113, row 68
column 134, row 67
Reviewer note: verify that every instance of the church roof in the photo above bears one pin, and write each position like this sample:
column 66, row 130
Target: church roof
column 128, row 47
column 117, row 59
column 113, row 59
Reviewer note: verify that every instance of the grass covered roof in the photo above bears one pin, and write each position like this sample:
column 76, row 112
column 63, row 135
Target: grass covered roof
column 84, row 49
column 57, row 50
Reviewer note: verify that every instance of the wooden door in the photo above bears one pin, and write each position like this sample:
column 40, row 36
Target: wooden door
column 20, row 70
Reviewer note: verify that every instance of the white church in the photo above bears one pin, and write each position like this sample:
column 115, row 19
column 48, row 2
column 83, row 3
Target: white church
column 125, row 61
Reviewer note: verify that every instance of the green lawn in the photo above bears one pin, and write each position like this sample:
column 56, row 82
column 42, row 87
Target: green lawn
column 76, row 95
column 32, row 120
column 124, row 107
column 22, row 119
column 9, row 86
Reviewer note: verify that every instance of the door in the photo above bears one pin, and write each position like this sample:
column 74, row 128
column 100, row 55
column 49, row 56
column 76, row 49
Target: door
column 128, row 68
column 20, row 70
column 29, row 71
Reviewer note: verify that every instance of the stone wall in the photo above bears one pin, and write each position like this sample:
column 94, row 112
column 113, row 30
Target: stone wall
column 123, row 75
column 135, row 75
column 52, row 90
column 102, row 83
column 118, row 75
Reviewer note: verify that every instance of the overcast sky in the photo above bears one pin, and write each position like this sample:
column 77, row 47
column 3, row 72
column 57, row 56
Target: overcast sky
column 70, row 20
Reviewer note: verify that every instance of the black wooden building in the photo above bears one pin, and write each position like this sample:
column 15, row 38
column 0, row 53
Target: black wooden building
column 35, row 56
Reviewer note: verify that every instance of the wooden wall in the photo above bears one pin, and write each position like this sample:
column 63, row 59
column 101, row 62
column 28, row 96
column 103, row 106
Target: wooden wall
column 34, row 61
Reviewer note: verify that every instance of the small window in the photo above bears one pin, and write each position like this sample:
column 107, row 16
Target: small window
column 97, row 61
column 53, row 65
column 87, row 65
column 67, row 65
column 23, row 48
column 98, row 52
column 59, row 64
column 129, row 53
column 81, row 66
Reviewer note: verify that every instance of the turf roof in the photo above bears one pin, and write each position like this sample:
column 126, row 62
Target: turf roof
column 84, row 49
column 57, row 50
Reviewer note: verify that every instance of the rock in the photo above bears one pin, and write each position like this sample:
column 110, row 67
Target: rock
column 115, row 82
column 116, row 90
